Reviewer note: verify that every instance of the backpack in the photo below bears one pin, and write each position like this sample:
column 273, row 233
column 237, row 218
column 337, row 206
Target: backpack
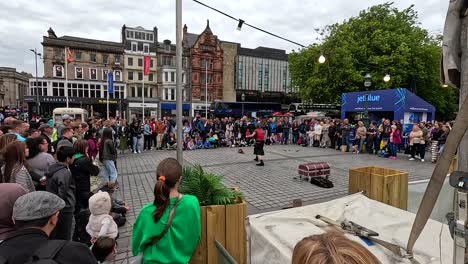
column 46, row 253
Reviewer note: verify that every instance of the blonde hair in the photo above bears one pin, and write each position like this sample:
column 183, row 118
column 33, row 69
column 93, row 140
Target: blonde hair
column 331, row 248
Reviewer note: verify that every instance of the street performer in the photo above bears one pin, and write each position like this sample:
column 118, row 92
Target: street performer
column 259, row 135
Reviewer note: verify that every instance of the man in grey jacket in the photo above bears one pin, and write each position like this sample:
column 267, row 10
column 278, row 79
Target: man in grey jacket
column 60, row 182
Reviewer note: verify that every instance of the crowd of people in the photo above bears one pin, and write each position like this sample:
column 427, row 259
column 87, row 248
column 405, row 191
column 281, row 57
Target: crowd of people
column 57, row 180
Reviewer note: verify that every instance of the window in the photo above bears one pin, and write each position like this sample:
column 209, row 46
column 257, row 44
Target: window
column 105, row 58
column 203, row 63
column 130, row 62
column 130, row 76
column 117, row 76
column 183, row 77
column 169, row 94
column 140, row 62
column 150, row 77
column 240, row 71
column 134, row 46
column 150, row 37
column 166, row 76
column 127, row 34
column 140, row 76
column 151, row 63
column 167, row 60
column 77, row 55
column 93, row 74
column 172, row 76
column 58, row 71
column 184, row 62
column 145, row 48
column 267, row 71
column 285, row 76
column 117, row 59
column 92, row 57
column 260, row 75
column 104, row 74
column 78, row 73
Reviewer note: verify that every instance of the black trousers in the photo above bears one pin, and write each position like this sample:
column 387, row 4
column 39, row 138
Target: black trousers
column 63, row 230
column 147, row 142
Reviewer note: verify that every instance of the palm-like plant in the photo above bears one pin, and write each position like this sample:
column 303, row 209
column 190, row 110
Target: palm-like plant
column 207, row 187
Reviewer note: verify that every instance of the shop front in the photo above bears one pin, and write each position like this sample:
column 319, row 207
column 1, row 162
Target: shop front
column 169, row 109
column 135, row 110
column 395, row 104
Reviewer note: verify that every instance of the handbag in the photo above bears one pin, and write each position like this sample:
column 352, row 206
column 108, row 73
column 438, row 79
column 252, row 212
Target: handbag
column 139, row 258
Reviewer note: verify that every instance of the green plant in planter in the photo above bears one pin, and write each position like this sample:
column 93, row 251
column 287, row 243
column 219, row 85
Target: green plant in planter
column 207, row 187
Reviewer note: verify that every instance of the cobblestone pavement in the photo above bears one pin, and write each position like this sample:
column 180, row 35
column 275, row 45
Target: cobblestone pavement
column 265, row 188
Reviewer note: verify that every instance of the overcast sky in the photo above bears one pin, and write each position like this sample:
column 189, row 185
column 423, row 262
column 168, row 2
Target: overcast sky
column 24, row 22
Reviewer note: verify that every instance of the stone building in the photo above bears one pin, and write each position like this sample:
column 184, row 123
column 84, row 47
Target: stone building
column 262, row 74
column 206, row 67
column 138, row 43
column 86, row 76
column 13, row 87
column 167, row 78
column 229, row 70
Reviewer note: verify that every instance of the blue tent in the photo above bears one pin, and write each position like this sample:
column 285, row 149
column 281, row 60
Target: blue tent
column 406, row 106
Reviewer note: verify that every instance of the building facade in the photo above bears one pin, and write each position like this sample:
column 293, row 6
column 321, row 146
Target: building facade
column 206, row 68
column 138, row 43
column 13, row 87
column 229, row 70
column 85, row 77
column 262, row 74
column 167, row 78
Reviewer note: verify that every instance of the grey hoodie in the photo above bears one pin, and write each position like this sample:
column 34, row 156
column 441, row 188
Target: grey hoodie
column 61, row 183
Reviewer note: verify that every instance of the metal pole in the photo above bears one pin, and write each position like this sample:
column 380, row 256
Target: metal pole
column 206, row 89
column 108, row 83
column 143, row 95
column 180, row 140
column 66, row 76
column 38, row 104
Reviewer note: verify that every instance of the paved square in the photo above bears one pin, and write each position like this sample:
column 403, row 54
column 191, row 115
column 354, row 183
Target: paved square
column 265, row 188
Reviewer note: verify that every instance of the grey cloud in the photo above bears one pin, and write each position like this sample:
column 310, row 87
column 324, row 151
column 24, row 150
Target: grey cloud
column 24, row 22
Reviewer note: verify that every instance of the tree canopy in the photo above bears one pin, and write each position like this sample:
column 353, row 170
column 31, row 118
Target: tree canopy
column 380, row 40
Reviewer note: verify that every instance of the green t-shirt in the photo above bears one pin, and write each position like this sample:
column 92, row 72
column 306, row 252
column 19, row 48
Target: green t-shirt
column 178, row 244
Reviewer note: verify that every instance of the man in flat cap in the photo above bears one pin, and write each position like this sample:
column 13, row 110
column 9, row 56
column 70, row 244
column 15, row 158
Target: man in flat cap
column 35, row 215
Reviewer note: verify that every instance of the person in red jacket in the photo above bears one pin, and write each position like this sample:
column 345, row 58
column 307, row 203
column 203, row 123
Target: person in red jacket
column 395, row 140
column 259, row 135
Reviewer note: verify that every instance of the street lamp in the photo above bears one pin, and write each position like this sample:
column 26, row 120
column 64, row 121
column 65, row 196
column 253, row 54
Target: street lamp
column 243, row 99
column 38, row 104
column 367, row 84
column 322, row 58
column 368, row 80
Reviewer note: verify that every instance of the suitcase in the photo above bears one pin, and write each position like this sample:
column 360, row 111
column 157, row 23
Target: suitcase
column 314, row 169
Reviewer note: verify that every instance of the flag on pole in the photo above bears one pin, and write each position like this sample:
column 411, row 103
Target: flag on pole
column 70, row 57
column 110, row 83
column 146, row 65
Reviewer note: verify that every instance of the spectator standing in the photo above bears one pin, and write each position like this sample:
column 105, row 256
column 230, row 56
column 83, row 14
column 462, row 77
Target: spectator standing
column 66, row 122
column 67, row 138
column 46, row 133
column 181, row 233
column 93, row 143
column 60, row 182
column 146, row 136
column 36, row 214
column 135, row 131
column 416, row 137
column 16, row 169
column 360, row 137
column 108, row 156
column 159, row 134
column 345, row 132
column 38, row 159
column 395, row 140
column 286, row 128
column 372, row 139
column 435, row 135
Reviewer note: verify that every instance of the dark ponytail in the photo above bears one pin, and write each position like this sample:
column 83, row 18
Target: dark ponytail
column 168, row 175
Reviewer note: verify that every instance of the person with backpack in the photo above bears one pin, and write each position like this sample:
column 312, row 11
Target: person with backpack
column 168, row 229
column 36, row 215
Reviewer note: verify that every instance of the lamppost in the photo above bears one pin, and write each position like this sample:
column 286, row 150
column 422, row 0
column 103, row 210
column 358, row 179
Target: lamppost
column 367, row 84
column 38, row 104
column 243, row 99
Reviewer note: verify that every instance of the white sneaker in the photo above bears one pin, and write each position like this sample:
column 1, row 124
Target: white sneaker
column 411, row 159
column 139, row 151
column 134, row 152
column 422, row 160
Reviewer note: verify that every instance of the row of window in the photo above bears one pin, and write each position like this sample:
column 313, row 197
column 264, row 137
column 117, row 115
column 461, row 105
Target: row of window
column 168, row 60
column 131, row 76
column 143, row 48
column 168, row 94
column 172, row 75
column 140, row 62
column 77, row 90
column 79, row 56
column 263, row 77
column 58, row 72
column 140, row 35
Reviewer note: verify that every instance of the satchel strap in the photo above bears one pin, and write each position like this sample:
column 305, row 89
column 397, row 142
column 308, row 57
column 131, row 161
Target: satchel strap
column 166, row 228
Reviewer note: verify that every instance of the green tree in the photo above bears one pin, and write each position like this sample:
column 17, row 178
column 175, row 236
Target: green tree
column 380, row 40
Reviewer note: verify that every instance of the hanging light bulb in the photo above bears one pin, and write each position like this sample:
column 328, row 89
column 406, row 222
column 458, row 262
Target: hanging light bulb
column 321, row 58
column 386, row 78
column 445, row 85
column 239, row 26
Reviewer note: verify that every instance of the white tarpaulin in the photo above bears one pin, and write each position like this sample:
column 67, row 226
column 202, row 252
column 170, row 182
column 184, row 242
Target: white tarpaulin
column 273, row 235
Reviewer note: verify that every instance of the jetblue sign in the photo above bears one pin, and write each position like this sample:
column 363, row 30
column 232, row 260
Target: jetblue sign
column 368, row 98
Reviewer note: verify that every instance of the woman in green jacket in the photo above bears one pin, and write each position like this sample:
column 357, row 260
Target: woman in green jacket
column 178, row 244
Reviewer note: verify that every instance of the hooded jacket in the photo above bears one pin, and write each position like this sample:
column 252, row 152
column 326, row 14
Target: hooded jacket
column 61, row 183
column 100, row 221
column 9, row 192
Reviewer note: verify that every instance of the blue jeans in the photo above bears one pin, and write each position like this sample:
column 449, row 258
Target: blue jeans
column 393, row 149
column 136, row 144
column 345, row 142
column 110, row 172
column 285, row 138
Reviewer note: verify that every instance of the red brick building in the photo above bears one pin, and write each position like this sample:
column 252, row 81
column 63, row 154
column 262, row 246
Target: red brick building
column 206, row 65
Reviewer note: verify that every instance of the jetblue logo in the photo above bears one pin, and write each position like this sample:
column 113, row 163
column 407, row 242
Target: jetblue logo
column 368, row 98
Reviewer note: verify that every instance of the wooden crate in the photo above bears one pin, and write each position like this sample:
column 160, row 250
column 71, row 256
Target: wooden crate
column 384, row 185
column 224, row 223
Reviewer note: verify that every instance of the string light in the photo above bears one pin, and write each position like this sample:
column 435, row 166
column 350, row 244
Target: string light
column 386, row 78
column 322, row 58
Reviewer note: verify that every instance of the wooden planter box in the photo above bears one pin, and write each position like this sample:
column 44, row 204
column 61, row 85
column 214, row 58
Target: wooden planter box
column 224, row 223
column 384, row 185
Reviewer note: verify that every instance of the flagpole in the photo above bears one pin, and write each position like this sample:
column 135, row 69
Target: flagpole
column 108, row 83
column 66, row 76
column 143, row 93
column 206, row 89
